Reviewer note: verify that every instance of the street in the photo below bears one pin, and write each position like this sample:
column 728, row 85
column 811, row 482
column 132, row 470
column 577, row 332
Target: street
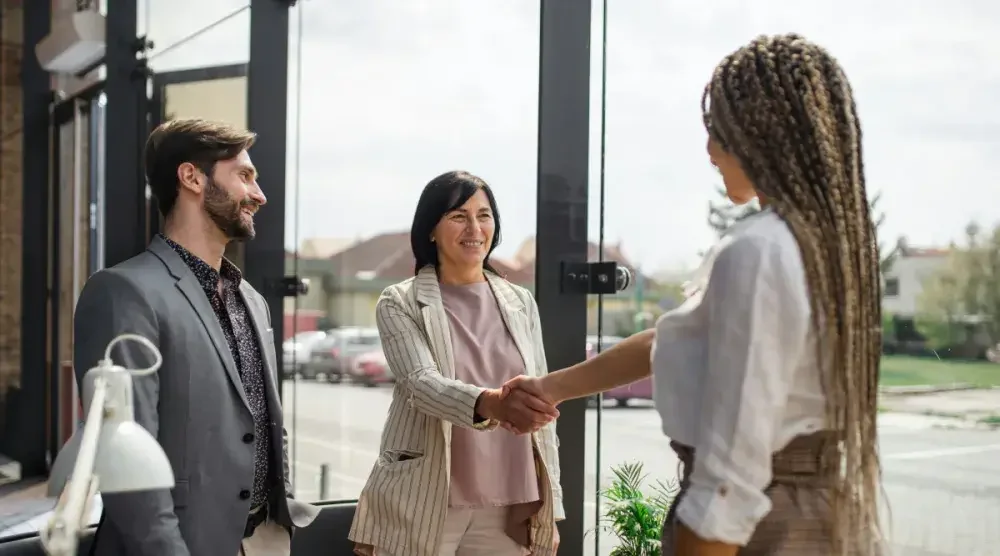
column 942, row 484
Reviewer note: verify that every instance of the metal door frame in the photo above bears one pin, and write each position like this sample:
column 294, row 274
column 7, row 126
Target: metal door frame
column 62, row 112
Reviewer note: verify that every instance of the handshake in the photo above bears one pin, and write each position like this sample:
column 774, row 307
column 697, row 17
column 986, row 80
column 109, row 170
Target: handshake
column 522, row 405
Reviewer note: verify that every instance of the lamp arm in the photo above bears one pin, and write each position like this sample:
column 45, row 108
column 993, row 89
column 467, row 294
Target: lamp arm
column 60, row 535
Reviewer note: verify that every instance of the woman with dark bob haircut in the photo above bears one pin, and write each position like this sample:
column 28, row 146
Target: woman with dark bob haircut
column 450, row 480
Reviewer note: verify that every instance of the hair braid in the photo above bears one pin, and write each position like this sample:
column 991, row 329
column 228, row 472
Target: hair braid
column 785, row 109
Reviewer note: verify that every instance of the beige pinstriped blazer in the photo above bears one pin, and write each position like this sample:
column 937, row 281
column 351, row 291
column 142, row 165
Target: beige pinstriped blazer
column 403, row 505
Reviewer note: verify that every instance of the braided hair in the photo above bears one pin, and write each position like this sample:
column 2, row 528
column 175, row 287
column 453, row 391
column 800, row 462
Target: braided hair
column 784, row 109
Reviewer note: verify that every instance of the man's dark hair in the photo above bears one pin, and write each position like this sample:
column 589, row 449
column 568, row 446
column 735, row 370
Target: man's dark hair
column 200, row 142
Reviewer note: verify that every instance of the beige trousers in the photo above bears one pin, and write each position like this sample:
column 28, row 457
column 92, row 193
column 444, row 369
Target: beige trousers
column 479, row 532
column 269, row 539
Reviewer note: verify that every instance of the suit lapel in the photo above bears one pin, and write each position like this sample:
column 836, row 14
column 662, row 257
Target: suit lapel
column 195, row 295
column 435, row 320
column 264, row 334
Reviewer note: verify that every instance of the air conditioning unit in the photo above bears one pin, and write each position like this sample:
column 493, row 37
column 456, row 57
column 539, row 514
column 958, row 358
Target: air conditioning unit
column 76, row 43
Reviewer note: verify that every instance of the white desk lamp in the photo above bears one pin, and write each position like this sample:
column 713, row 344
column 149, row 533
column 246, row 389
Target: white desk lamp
column 112, row 453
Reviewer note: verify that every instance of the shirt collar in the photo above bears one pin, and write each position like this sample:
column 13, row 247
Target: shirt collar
column 206, row 275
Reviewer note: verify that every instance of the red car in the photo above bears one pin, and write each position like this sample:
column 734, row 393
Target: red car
column 370, row 368
column 641, row 390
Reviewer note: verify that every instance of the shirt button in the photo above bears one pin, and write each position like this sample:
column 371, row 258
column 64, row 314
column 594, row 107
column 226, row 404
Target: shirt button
column 248, row 437
column 244, row 494
column 723, row 490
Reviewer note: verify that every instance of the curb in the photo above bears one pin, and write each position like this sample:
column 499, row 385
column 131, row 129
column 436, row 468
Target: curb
column 926, row 389
column 946, row 421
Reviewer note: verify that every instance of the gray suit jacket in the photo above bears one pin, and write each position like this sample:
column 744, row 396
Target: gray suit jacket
column 194, row 406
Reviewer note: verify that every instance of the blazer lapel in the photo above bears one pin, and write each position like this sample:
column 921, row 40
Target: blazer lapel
column 435, row 320
column 512, row 311
column 263, row 335
column 195, row 295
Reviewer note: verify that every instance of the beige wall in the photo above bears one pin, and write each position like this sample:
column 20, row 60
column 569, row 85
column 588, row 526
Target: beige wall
column 222, row 100
column 353, row 309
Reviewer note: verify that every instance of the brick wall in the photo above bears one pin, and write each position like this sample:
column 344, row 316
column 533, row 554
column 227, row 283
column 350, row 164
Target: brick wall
column 11, row 38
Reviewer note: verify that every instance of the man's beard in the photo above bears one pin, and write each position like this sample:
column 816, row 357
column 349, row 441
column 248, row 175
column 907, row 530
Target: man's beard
column 227, row 213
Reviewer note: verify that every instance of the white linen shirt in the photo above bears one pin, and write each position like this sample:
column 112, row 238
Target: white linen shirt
column 736, row 375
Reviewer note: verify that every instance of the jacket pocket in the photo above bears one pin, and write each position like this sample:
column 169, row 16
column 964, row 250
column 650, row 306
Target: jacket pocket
column 400, row 459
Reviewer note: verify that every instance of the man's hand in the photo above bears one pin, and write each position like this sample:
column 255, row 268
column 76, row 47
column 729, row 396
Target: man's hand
column 518, row 410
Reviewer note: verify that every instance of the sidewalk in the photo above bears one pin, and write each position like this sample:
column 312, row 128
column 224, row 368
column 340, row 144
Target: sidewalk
column 980, row 406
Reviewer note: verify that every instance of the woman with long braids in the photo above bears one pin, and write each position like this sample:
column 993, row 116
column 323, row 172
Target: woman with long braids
column 766, row 377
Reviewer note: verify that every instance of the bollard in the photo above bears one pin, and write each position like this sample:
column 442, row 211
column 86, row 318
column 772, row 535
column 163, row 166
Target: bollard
column 324, row 471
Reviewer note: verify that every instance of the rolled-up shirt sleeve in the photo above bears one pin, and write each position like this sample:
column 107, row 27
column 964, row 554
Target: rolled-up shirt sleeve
column 758, row 321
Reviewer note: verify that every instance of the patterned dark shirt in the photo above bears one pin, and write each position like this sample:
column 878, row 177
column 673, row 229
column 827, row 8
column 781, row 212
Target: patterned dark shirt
column 234, row 317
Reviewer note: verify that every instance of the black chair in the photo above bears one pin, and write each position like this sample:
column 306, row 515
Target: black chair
column 326, row 535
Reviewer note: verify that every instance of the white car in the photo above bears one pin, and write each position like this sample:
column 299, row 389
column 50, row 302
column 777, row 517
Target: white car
column 296, row 351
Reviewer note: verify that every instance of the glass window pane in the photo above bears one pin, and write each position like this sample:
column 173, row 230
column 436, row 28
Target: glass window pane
column 193, row 33
column 922, row 95
column 390, row 95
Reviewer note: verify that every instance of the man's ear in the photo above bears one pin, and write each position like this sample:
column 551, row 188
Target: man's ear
column 191, row 178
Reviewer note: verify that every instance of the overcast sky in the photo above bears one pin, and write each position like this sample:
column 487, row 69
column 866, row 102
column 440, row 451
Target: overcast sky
column 396, row 92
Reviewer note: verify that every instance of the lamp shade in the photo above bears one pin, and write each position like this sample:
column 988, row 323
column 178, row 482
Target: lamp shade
column 128, row 459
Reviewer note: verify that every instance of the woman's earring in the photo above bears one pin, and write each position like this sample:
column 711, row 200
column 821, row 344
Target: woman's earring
column 432, row 239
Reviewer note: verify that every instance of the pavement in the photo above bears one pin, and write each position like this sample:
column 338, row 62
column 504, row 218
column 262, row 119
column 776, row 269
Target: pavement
column 971, row 406
column 939, row 472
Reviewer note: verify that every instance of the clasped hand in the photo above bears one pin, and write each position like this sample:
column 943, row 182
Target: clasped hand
column 521, row 405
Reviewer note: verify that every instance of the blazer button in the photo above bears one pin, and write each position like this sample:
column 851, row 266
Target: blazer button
column 244, row 494
column 248, row 437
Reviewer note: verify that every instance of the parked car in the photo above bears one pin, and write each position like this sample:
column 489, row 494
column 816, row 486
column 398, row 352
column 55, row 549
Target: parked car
column 641, row 390
column 296, row 351
column 371, row 369
column 330, row 357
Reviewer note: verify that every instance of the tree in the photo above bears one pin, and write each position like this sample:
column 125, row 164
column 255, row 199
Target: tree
column 940, row 310
column 960, row 302
column 722, row 216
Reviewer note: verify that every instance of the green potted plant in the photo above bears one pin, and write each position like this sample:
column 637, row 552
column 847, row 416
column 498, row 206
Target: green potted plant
column 634, row 517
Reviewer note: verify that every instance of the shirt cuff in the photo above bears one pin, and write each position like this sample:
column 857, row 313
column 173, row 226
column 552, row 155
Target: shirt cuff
column 558, row 510
column 722, row 512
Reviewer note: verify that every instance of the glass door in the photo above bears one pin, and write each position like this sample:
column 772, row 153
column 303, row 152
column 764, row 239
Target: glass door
column 77, row 241
column 376, row 113
column 625, row 447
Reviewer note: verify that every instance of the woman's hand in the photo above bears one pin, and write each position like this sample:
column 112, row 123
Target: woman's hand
column 518, row 410
column 535, row 386
column 530, row 388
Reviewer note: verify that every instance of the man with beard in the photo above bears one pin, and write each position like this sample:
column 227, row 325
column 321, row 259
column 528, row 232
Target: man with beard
column 214, row 404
